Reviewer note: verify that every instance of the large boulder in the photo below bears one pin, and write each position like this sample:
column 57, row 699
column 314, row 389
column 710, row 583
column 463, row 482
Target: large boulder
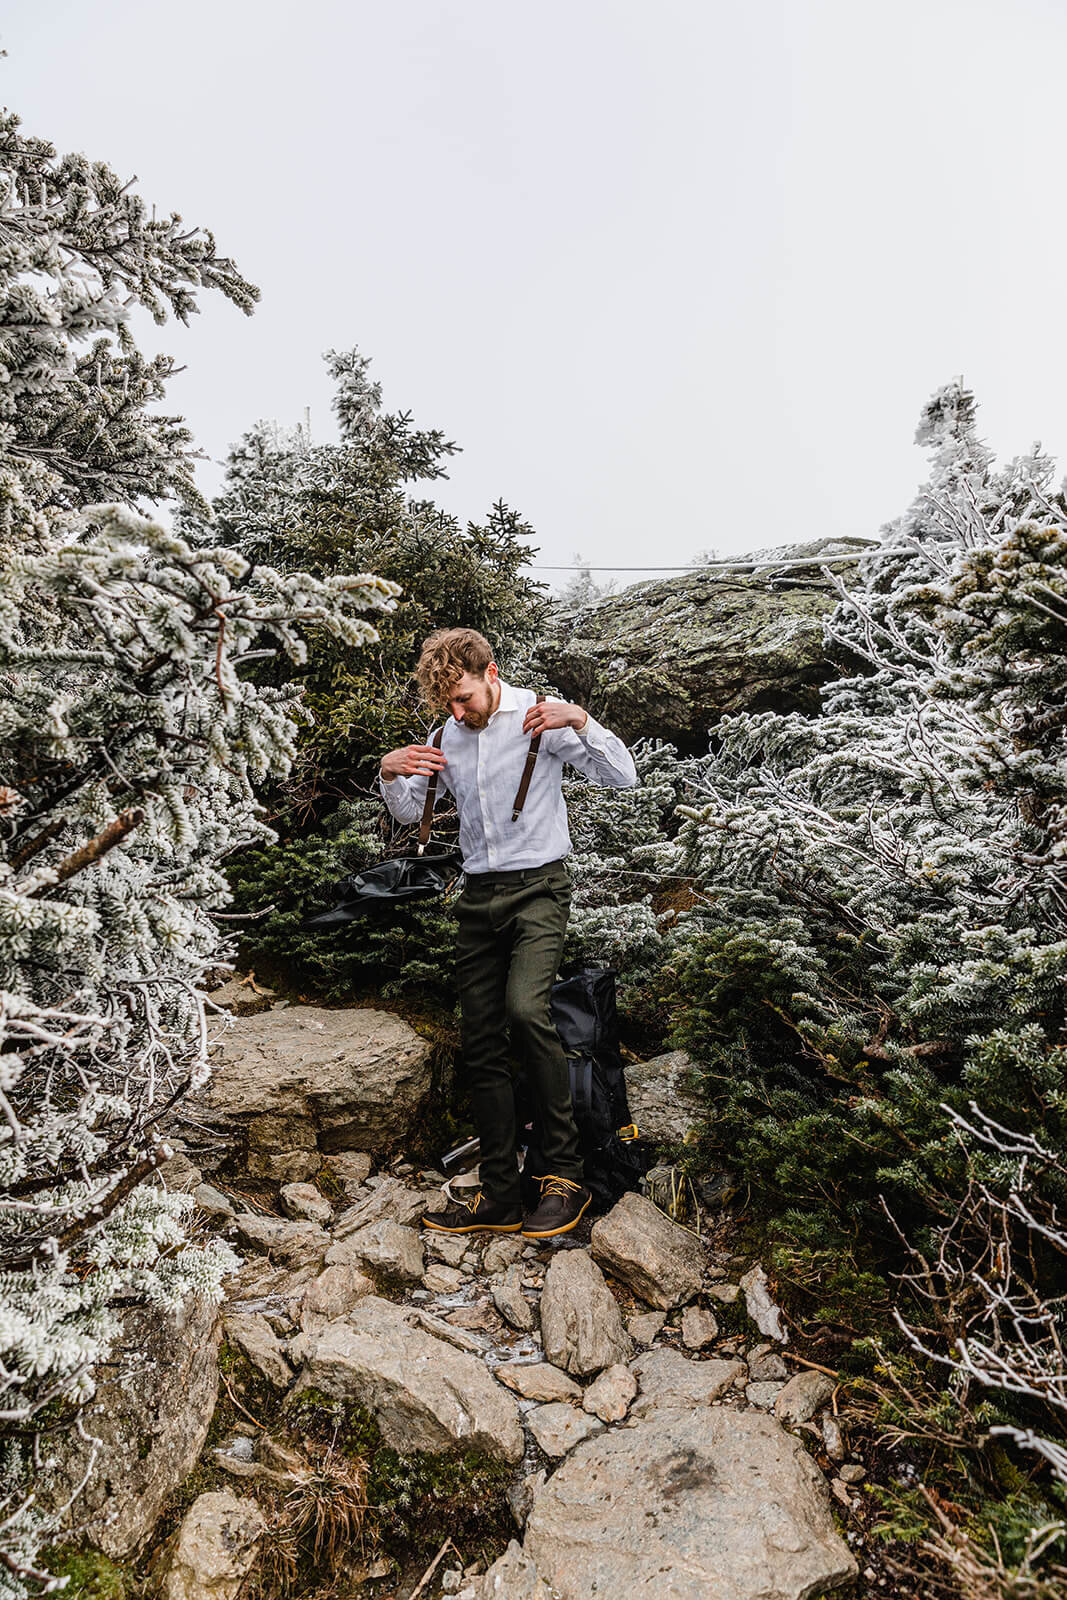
column 292, row 1085
column 150, row 1415
column 666, row 659
column 581, row 1326
column 663, row 1099
column 213, row 1551
column 660, row 1261
column 707, row 1504
column 423, row 1393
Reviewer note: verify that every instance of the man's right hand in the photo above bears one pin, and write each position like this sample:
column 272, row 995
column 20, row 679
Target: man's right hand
column 411, row 761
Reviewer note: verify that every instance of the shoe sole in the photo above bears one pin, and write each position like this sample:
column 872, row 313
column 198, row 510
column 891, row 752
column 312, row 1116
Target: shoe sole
column 474, row 1227
column 550, row 1233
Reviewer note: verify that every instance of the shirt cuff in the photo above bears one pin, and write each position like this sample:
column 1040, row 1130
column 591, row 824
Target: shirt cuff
column 592, row 733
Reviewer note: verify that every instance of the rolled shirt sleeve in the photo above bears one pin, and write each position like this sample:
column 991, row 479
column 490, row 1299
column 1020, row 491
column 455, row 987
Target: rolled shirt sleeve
column 598, row 753
column 405, row 797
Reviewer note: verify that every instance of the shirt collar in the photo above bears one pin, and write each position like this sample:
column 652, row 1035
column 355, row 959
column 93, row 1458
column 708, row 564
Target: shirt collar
column 509, row 699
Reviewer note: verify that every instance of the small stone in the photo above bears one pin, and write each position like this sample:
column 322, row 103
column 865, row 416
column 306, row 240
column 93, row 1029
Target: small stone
column 304, row 1203
column 500, row 1253
column 580, row 1321
column 802, row 1396
column 608, row 1396
column 213, row 1550
column 385, row 1246
column 852, row 1472
column 645, row 1326
column 727, row 1294
column 448, row 1247
column 255, row 1338
column 451, row 1580
column 768, row 1369
column 440, row 1279
column 538, row 1381
column 212, row 1201
column 840, row 1493
column 671, row 1381
column 761, row 1308
column 832, row 1438
column 511, row 1302
column 698, row 1327
column 763, row 1395
column 350, row 1167
column 480, row 1318
column 660, row 1261
column 558, row 1427
column 298, row 1244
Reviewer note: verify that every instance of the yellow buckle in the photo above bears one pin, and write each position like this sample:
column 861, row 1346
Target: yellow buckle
column 629, row 1133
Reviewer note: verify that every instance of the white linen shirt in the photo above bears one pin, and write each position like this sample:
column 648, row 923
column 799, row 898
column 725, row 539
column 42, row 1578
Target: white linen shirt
column 483, row 773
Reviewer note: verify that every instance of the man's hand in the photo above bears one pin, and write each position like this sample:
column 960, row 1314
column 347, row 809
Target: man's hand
column 553, row 714
column 410, row 761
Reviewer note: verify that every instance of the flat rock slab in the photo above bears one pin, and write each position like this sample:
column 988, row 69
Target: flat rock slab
column 356, row 1077
column 386, row 1198
column 538, row 1380
column 581, row 1326
column 653, row 1256
column 558, row 1427
column 671, row 1381
column 700, row 1505
column 424, row 1394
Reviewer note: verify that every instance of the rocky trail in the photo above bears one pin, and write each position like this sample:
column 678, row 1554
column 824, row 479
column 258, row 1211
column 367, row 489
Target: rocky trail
column 633, row 1382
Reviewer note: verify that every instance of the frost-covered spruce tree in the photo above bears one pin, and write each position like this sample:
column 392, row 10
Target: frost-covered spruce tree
column 887, row 932
column 130, row 740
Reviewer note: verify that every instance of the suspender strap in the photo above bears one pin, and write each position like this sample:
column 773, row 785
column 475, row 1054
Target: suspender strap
column 431, row 796
column 527, row 771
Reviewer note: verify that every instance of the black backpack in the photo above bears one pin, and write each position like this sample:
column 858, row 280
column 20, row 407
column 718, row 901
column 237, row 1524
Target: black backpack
column 585, row 1017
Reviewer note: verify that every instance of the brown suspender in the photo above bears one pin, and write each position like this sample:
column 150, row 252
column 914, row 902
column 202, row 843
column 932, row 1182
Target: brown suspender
column 527, row 771
column 520, row 797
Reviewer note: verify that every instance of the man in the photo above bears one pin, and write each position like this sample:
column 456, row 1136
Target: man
column 512, row 911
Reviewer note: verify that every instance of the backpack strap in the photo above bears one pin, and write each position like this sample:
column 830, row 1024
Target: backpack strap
column 527, row 771
column 431, row 796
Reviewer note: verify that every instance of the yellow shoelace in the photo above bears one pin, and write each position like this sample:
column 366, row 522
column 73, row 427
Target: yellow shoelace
column 558, row 1186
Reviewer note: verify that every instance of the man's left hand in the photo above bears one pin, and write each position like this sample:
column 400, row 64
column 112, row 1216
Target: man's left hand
column 553, row 714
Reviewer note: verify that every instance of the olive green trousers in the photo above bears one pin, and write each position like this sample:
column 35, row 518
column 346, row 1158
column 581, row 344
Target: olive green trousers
column 511, row 930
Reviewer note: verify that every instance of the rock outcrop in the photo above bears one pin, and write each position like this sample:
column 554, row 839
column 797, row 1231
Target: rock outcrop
column 423, row 1393
column 292, row 1085
column 666, row 659
column 150, row 1413
column 703, row 1504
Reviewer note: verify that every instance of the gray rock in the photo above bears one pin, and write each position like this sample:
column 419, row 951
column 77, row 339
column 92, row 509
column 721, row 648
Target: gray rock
column 727, row 1294
column 645, row 1326
column 334, row 1293
column 297, row 1244
column 832, row 1437
column 213, row 1550
column 151, row 1412
column 558, row 1427
column 179, row 1174
column 852, row 1472
column 670, row 1381
column 305, row 1203
column 660, row 1261
column 666, row 658
column 802, row 1396
column 386, row 1247
column 760, row 1307
column 512, row 1577
column 538, row 1380
column 581, row 1328
column 440, row 1279
column 763, row 1395
column 500, row 1253
column 353, row 1078
column 254, row 1336
column 768, row 1369
column 388, row 1199
column 447, row 1247
column 704, row 1504
column 522, row 1493
column 351, row 1168
column 608, row 1396
column 423, row 1393
column 698, row 1327
column 212, row 1202
column 511, row 1302
column 664, row 1101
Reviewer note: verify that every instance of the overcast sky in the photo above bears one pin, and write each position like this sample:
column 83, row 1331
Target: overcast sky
column 675, row 275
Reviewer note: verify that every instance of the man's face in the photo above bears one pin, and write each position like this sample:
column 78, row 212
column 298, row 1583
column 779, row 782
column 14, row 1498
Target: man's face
column 475, row 697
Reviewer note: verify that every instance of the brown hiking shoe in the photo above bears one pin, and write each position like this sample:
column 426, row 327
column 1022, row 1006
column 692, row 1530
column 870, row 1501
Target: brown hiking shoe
column 560, row 1208
column 476, row 1215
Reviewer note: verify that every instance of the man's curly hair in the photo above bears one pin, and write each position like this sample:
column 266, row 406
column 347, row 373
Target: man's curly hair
column 445, row 657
